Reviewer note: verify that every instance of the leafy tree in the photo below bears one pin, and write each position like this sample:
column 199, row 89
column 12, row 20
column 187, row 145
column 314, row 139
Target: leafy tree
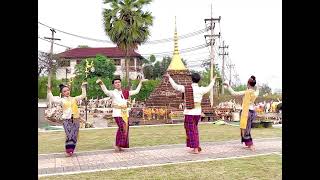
column 127, row 25
column 241, row 87
column 146, row 89
column 264, row 89
column 44, row 61
column 103, row 66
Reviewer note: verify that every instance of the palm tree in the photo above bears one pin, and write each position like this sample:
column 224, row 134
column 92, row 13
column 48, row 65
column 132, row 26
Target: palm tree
column 127, row 25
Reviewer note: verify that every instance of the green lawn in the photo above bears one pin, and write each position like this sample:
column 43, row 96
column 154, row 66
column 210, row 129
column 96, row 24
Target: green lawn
column 267, row 167
column 53, row 142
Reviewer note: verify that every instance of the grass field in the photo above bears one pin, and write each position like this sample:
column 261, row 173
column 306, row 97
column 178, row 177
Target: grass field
column 100, row 139
column 266, row 167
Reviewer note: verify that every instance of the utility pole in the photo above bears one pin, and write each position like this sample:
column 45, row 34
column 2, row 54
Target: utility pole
column 211, row 43
column 230, row 66
column 51, row 57
column 223, row 54
column 237, row 81
column 51, row 54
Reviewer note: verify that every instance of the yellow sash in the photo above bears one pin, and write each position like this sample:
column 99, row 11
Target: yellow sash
column 197, row 105
column 72, row 102
column 124, row 113
column 249, row 97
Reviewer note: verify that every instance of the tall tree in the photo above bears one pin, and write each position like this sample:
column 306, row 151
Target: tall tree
column 44, row 63
column 241, row 87
column 205, row 80
column 265, row 89
column 152, row 58
column 127, row 25
column 157, row 70
column 164, row 65
column 104, row 68
column 148, row 67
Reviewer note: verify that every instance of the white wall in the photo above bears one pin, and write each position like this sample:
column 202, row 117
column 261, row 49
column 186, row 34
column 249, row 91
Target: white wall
column 120, row 70
column 61, row 71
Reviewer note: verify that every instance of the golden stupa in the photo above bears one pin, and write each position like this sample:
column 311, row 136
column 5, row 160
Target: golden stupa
column 176, row 62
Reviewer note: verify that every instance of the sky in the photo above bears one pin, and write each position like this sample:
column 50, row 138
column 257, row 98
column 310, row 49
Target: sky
column 252, row 30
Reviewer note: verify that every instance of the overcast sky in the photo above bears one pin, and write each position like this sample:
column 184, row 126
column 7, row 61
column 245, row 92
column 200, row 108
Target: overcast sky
column 251, row 28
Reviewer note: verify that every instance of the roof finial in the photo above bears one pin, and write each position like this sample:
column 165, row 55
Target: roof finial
column 176, row 49
column 176, row 62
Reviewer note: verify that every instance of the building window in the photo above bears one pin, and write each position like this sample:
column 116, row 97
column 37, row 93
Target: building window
column 139, row 62
column 79, row 61
column 117, row 62
column 64, row 63
column 131, row 62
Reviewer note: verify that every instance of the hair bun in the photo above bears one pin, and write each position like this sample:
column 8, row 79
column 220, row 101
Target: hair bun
column 61, row 86
column 252, row 77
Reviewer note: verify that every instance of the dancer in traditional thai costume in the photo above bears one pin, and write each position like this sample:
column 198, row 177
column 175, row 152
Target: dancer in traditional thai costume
column 120, row 110
column 247, row 114
column 70, row 114
column 192, row 111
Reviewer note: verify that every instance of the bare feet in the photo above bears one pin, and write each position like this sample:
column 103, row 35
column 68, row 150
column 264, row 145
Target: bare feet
column 195, row 151
column 116, row 148
column 252, row 148
column 68, row 154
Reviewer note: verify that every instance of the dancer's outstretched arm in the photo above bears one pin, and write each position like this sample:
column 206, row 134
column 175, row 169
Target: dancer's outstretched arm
column 210, row 86
column 137, row 90
column 174, row 84
column 51, row 98
column 234, row 93
column 104, row 88
column 84, row 92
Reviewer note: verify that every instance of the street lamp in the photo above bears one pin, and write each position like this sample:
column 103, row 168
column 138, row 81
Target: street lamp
column 89, row 69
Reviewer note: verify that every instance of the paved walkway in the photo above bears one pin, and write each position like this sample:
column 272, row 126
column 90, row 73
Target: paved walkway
column 54, row 164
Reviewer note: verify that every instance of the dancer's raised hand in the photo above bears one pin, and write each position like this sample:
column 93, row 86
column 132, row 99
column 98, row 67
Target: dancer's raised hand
column 143, row 80
column 99, row 82
column 167, row 75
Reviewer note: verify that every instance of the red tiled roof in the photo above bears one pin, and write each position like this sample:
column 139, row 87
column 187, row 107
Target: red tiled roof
column 112, row 52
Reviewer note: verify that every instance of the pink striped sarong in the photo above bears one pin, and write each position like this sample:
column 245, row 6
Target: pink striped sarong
column 191, row 127
column 122, row 137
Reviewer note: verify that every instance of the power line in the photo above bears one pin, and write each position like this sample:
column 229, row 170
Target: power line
column 197, row 60
column 54, row 43
column 161, row 54
column 83, row 37
column 201, row 31
column 155, row 41
column 168, row 53
column 180, row 37
column 195, row 57
column 197, row 54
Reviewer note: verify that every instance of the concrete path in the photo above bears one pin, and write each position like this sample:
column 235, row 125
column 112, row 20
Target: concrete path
column 57, row 163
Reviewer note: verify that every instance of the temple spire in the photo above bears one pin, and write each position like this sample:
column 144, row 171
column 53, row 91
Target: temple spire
column 176, row 62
